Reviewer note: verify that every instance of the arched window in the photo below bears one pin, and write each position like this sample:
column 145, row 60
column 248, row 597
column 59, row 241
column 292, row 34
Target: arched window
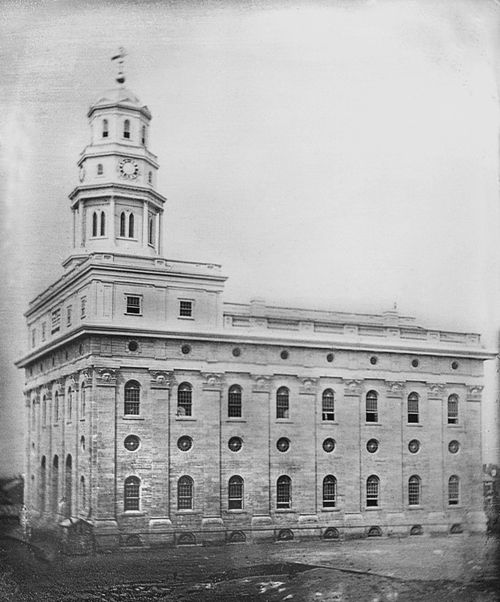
column 372, row 490
column 328, row 405
column 69, row 406
column 185, row 493
column 413, row 408
column 282, row 402
column 94, row 224
column 83, row 401
column 83, row 494
column 131, row 225
column 329, row 491
column 453, row 409
column 184, row 399
column 143, row 135
column 235, row 493
column 453, row 490
column 371, row 406
column 414, row 490
column 151, row 231
column 132, row 398
column 33, row 415
column 68, row 486
column 122, row 223
column 284, row 492
column 150, row 177
column 126, row 128
column 234, row 402
column 103, row 223
column 55, row 485
column 100, row 169
column 105, row 130
column 44, row 411
column 56, row 406
column 43, row 483
column 132, row 493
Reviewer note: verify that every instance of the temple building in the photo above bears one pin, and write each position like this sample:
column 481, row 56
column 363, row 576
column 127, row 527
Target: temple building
column 161, row 414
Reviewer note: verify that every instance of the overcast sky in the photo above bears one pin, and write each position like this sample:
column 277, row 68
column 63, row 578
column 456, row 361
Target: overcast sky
column 336, row 155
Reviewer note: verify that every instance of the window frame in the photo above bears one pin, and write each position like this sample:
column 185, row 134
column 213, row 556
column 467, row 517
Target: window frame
column 129, row 305
column 373, row 491
column 234, row 401
column 454, row 490
column 414, row 490
column 186, row 311
column 283, row 493
column 105, row 129
column 132, row 398
column 329, row 491
column 185, row 389
column 235, row 493
column 282, row 403
column 328, row 405
column 371, row 406
column 413, row 408
column 126, row 129
column 185, row 493
column 452, row 413
column 132, row 494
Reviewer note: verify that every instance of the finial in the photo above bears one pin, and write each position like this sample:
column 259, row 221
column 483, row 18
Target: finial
column 120, row 78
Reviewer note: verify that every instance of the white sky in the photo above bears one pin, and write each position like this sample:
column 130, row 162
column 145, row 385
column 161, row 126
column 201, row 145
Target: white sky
column 339, row 155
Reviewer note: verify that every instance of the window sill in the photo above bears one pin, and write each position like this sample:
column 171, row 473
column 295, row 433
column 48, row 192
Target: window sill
column 185, row 317
column 284, row 421
column 328, row 422
column 418, row 424
column 184, row 512
column 235, row 420
column 371, row 508
column 126, row 313
column 414, row 507
column 126, row 513
column 127, row 238
column 285, row 511
column 236, row 511
column 132, row 417
column 186, row 418
column 373, row 424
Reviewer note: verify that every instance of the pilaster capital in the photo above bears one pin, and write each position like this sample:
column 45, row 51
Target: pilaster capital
column 395, row 388
column 86, row 377
column 308, row 385
column 161, row 379
column 435, row 390
column 474, row 392
column 106, row 377
column 213, row 381
column 352, row 387
column 261, row 383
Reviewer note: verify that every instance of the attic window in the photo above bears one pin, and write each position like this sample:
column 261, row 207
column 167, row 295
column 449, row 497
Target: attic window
column 126, row 128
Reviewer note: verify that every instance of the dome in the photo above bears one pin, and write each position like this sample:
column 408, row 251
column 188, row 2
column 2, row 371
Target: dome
column 119, row 96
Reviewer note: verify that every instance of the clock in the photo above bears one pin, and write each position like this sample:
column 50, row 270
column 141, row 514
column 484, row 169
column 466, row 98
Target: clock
column 128, row 169
column 81, row 174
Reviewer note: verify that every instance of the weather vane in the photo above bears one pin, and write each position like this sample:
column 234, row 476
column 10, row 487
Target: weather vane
column 120, row 57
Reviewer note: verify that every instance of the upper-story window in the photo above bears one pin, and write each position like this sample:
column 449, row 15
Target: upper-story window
column 329, row 491
column 185, row 493
column 150, row 177
column 83, row 307
column 372, row 406
column 328, row 405
column 414, row 490
column 235, row 493
column 143, row 135
column 132, row 493
column 413, row 413
column 69, row 405
column 105, row 128
column 453, row 490
column 44, row 329
column 94, row 224
column 453, row 409
column 284, row 492
column 234, row 402
column 100, row 169
column 184, row 399
column 131, row 225
column 33, row 337
column 56, row 320
column 132, row 398
column 69, row 315
column 134, row 305
column 56, row 406
column 151, row 230
column 372, row 490
column 103, row 223
column 282, row 402
column 126, row 128
column 185, row 308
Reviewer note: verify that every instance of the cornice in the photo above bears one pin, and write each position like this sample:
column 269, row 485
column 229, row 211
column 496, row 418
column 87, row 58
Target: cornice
column 115, row 189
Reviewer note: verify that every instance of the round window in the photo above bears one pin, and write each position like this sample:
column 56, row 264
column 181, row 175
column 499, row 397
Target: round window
column 329, row 444
column 414, row 446
column 453, row 446
column 133, row 345
column 372, row 446
column 454, row 365
column 284, row 354
column 373, row 360
column 283, row 444
column 415, row 363
column 235, row 444
column 186, row 349
column 184, row 443
column 132, row 442
column 330, row 357
column 236, row 352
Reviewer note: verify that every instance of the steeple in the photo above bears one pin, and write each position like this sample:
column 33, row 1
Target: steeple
column 116, row 208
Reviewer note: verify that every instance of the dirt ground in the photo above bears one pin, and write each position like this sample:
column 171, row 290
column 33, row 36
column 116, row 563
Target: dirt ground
column 454, row 568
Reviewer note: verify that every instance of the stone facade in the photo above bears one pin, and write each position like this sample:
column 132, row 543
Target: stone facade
column 159, row 414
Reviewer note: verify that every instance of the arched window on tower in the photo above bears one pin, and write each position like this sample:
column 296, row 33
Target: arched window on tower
column 328, row 405
column 150, row 177
column 126, row 128
column 372, row 490
column 284, row 492
column 414, row 490
column 143, row 135
column 235, row 493
column 122, row 223
column 185, row 493
column 132, row 398
column 234, row 402
column 100, row 169
column 329, row 491
column 94, row 224
column 132, row 493
column 103, row 223
column 131, row 225
column 151, row 238
column 105, row 130
column 282, row 402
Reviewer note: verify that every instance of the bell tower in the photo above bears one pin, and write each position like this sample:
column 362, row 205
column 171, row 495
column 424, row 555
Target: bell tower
column 116, row 208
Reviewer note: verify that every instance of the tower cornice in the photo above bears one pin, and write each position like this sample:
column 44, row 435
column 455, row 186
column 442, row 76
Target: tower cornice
column 115, row 189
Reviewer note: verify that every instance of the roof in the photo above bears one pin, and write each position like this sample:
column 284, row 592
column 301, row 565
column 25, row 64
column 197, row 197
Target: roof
column 119, row 96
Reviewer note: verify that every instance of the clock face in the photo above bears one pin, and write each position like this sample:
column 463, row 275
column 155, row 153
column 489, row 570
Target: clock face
column 128, row 169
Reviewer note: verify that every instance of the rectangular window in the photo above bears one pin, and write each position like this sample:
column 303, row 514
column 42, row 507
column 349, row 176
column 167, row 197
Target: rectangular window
column 68, row 315
column 371, row 410
column 44, row 331
column 83, row 307
column 133, row 305
column 33, row 337
column 56, row 320
column 185, row 308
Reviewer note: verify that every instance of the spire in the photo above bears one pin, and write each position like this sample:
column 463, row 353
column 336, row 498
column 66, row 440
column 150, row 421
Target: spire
column 120, row 58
